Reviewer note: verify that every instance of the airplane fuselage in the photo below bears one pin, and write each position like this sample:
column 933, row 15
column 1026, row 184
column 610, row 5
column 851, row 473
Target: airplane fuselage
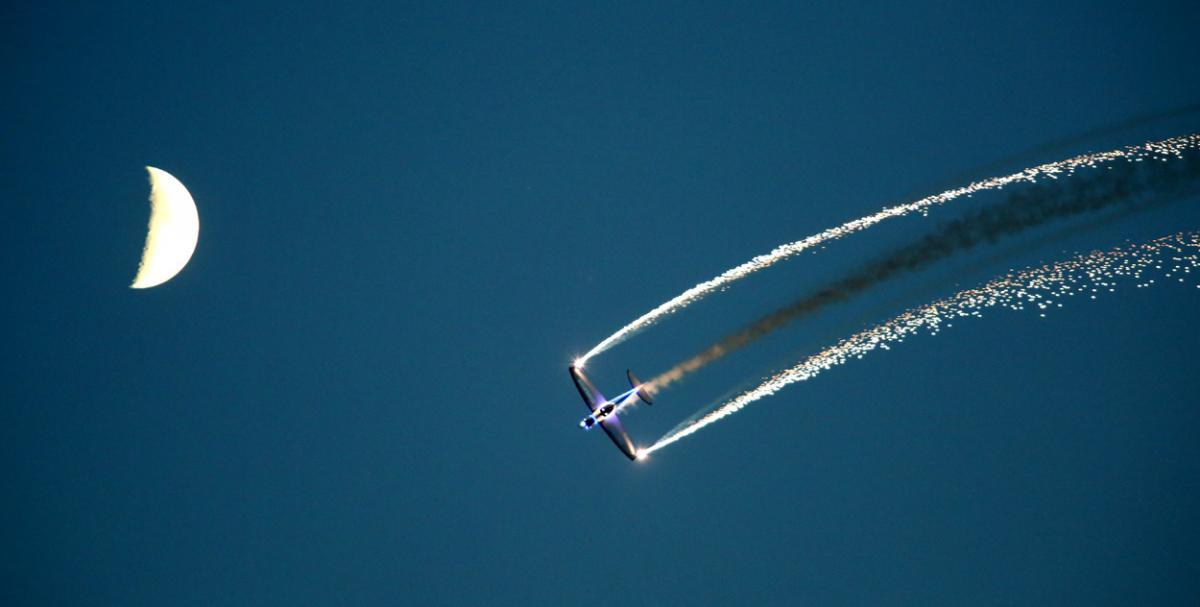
column 597, row 416
column 608, row 408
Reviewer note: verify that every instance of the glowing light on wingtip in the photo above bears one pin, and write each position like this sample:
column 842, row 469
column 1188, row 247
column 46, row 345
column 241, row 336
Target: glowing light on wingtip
column 578, row 363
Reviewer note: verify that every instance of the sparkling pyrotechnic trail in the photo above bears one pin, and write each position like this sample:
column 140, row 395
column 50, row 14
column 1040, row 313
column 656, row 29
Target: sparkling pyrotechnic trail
column 1176, row 257
column 1172, row 147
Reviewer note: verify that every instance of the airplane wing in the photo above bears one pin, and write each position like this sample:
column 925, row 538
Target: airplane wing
column 612, row 427
column 591, row 396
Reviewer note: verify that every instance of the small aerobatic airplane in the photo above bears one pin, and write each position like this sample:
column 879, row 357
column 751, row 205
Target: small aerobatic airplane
column 604, row 411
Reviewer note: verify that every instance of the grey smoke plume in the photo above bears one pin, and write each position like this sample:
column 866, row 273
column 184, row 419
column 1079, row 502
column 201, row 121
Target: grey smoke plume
column 1130, row 185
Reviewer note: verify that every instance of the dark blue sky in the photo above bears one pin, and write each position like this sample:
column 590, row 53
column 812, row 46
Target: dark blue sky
column 412, row 219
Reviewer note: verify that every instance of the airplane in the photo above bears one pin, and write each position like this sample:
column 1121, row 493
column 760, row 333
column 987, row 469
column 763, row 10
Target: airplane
column 604, row 411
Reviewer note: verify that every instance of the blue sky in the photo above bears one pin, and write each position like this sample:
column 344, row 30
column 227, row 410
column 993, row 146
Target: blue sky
column 414, row 216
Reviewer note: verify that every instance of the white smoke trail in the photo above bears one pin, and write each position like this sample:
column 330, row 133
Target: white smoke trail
column 1172, row 147
column 1176, row 256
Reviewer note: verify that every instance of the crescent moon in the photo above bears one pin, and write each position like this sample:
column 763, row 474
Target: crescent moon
column 174, row 230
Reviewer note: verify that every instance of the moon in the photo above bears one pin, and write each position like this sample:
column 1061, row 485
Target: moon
column 174, row 230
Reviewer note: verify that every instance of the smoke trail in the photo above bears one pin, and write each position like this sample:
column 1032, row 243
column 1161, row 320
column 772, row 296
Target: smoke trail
column 1127, row 184
column 1164, row 148
column 1087, row 275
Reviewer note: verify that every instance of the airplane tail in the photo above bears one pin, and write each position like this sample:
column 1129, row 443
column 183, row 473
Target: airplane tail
column 643, row 393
